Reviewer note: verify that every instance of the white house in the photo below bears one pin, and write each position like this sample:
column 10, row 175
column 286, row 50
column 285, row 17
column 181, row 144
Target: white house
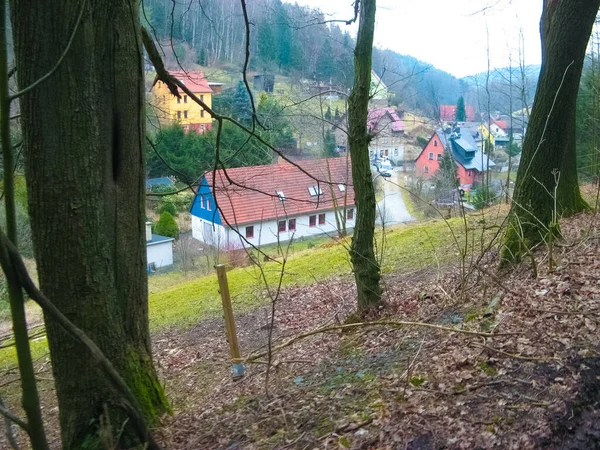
column 159, row 249
column 266, row 204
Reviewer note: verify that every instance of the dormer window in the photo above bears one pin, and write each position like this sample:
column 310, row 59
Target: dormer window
column 342, row 187
column 281, row 196
column 315, row 190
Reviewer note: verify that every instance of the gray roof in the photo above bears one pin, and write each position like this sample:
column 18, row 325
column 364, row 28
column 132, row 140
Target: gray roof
column 162, row 181
column 465, row 150
column 157, row 239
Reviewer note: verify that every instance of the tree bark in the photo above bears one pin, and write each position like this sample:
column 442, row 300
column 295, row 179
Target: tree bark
column 549, row 145
column 362, row 254
column 83, row 131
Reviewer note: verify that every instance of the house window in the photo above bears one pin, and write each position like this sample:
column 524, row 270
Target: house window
column 431, row 156
column 315, row 190
column 435, row 142
column 281, row 226
column 185, row 99
column 470, row 173
column 395, row 152
column 186, row 128
column 439, row 156
column 371, row 153
column 185, row 114
column 350, row 214
column 342, row 187
column 178, row 99
column 250, row 232
column 292, row 224
column 202, row 97
column 179, row 114
column 202, row 113
column 426, row 169
column 202, row 128
column 202, row 202
column 321, row 219
column 384, row 140
column 312, row 221
column 387, row 152
column 208, row 204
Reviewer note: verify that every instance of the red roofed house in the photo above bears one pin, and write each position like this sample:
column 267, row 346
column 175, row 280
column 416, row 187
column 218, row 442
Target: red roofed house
column 448, row 113
column 469, row 159
column 274, row 203
column 387, row 129
column 499, row 128
column 191, row 116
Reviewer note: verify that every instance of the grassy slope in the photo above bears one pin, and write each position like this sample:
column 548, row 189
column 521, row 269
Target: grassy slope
column 407, row 247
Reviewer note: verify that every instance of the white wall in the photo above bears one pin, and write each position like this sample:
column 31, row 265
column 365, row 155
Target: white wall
column 267, row 231
column 161, row 254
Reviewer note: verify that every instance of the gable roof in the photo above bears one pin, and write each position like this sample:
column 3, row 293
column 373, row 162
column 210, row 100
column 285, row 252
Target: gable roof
column 252, row 195
column 465, row 150
column 375, row 117
column 194, row 81
column 501, row 124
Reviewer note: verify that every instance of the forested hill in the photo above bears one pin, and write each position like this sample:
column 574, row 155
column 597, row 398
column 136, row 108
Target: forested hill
column 287, row 39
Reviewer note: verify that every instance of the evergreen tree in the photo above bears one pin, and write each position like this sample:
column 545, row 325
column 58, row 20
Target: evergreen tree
column 202, row 59
column 166, row 225
column 284, row 36
column 328, row 114
column 241, row 103
column 337, row 114
column 267, row 46
column 461, row 113
column 446, row 177
column 329, row 145
column 325, row 62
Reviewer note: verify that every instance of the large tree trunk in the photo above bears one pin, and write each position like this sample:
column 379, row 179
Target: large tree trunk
column 366, row 267
column 83, row 130
column 549, row 145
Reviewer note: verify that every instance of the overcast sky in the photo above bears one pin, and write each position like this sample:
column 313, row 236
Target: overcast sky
column 451, row 34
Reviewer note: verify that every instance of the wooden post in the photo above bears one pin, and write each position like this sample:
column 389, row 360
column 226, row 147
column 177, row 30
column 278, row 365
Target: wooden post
column 234, row 347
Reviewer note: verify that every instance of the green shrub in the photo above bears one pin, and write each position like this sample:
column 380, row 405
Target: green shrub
column 167, row 206
column 166, row 225
column 483, row 197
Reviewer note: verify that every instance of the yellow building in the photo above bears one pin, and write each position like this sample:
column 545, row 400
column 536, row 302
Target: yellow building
column 485, row 134
column 189, row 114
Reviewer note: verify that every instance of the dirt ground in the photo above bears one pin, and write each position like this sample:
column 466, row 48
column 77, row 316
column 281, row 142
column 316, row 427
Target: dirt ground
column 511, row 361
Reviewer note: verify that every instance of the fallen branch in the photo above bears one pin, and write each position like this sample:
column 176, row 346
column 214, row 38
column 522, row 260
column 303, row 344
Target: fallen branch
column 523, row 358
column 375, row 324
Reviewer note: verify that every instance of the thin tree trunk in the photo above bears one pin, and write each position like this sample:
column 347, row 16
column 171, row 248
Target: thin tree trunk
column 549, row 145
column 83, row 130
column 366, row 267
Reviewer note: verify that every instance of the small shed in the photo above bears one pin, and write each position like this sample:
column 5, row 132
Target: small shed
column 264, row 82
column 159, row 250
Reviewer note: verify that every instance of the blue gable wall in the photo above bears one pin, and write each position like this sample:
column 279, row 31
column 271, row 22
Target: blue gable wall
column 196, row 210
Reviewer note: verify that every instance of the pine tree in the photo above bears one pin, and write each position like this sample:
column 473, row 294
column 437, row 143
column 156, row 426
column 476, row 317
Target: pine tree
column 328, row 114
column 329, row 145
column 461, row 113
column 325, row 62
column 242, row 106
column 446, row 177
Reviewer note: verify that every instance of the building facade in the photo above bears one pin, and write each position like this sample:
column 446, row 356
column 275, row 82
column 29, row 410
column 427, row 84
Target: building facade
column 259, row 205
column 183, row 110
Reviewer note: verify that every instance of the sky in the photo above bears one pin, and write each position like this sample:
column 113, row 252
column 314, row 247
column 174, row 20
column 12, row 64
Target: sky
column 451, row 34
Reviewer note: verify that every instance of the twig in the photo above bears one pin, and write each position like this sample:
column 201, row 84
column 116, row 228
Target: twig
column 524, row 358
column 376, row 324
column 10, row 416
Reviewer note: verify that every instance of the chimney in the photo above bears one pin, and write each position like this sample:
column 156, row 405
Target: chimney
column 148, row 231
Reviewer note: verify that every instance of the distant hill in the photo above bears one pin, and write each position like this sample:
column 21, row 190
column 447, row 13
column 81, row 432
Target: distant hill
column 295, row 41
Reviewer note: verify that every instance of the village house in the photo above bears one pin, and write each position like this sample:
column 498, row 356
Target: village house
column 261, row 205
column 183, row 110
column 472, row 163
column 448, row 113
column 387, row 130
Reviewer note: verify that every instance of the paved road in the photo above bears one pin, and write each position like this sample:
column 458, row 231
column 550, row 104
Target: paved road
column 392, row 207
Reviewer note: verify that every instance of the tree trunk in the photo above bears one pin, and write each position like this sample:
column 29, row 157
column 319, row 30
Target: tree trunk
column 366, row 267
column 549, row 145
column 83, row 132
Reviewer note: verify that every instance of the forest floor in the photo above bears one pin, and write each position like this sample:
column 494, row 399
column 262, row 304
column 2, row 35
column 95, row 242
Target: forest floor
column 527, row 377
column 524, row 375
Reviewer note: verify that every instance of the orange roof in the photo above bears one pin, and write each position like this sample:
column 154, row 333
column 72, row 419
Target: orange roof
column 501, row 124
column 194, row 81
column 252, row 196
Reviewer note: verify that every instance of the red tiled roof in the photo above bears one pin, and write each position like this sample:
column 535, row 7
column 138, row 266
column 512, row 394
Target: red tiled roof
column 253, row 195
column 195, row 81
column 375, row 116
column 448, row 112
column 501, row 124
